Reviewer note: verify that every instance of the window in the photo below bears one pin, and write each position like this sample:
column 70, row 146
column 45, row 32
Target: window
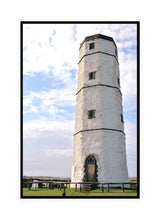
column 91, row 114
column 92, row 75
column 116, row 52
column 91, row 46
column 118, row 81
column 122, row 118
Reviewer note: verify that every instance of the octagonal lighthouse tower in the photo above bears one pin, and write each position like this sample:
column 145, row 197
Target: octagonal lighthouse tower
column 99, row 141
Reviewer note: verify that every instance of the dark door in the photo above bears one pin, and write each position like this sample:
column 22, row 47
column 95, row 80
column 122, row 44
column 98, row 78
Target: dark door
column 90, row 169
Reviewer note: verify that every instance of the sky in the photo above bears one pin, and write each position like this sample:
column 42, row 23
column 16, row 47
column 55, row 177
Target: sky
column 50, row 67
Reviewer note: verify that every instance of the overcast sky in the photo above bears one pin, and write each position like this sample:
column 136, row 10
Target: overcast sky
column 50, row 53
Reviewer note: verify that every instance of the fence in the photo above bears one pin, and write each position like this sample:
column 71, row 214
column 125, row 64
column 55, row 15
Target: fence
column 81, row 186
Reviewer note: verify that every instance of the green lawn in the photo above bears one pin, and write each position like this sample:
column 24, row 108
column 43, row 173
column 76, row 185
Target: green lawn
column 71, row 192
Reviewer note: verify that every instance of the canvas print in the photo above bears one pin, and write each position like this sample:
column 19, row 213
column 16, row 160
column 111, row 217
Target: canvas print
column 80, row 102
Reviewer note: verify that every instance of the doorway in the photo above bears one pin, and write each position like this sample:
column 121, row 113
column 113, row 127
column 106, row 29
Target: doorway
column 90, row 170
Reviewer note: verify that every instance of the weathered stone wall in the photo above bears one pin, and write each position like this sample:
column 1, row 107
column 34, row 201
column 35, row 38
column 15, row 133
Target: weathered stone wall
column 108, row 114
column 100, row 45
column 108, row 148
column 107, row 142
column 106, row 67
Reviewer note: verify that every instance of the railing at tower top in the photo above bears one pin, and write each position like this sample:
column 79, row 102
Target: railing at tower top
column 79, row 186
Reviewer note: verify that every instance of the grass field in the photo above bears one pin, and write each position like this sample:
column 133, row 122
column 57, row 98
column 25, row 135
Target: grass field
column 70, row 192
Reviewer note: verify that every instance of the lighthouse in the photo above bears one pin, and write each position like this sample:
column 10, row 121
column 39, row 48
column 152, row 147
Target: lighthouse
column 99, row 153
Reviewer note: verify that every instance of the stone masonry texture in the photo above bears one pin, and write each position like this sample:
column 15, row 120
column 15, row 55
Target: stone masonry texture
column 103, row 136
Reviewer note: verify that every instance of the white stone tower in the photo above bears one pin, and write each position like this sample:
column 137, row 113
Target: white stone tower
column 99, row 139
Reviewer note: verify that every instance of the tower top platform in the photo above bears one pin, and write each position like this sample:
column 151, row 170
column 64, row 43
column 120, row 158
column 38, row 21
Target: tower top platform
column 96, row 36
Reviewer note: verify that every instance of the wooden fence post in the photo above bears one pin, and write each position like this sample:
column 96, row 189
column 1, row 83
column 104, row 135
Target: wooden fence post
column 64, row 193
column 76, row 187
column 123, row 187
column 108, row 187
column 102, row 188
column 29, row 185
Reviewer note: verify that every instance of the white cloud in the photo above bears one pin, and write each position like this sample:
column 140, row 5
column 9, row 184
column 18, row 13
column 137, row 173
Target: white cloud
column 50, row 50
column 51, row 102
column 60, row 54
column 35, row 128
column 48, row 147
column 27, row 101
column 59, row 153
column 33, row 109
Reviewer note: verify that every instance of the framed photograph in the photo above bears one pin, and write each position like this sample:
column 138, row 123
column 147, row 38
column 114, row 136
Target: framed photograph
column 80, row 109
